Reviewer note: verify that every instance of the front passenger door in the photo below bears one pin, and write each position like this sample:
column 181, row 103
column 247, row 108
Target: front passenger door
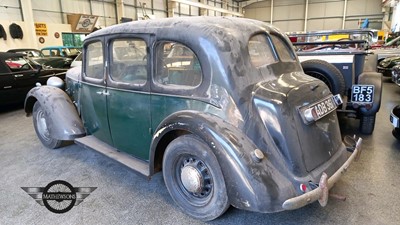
column 93, row 94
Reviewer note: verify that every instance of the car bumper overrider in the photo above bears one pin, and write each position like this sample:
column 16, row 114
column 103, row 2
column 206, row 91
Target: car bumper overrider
column 321, row 193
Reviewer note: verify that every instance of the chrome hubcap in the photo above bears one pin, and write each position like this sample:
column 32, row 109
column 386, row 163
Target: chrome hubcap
column 195, row 177
column 42, row 126
column 192, row 179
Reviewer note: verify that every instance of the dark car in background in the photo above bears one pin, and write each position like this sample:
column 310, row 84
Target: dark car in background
column 19, row 74
column 220, row 105
column 37, row 55
column 386, row 65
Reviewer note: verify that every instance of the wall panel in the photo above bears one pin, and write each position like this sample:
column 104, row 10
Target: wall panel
column 322, row 14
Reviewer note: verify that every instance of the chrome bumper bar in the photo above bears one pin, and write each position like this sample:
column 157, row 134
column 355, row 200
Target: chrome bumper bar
column 321, row 193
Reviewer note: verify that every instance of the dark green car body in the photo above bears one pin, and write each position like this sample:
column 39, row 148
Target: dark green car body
column 233, row 84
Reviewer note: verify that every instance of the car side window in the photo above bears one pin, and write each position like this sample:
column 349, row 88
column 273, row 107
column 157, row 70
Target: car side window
column 129, row 61
column 177, row 66
column 94, row 67
column 18, row 64
column 46, row 52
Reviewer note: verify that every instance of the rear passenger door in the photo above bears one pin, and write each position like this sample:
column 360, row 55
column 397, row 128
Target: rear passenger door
column 128, row 101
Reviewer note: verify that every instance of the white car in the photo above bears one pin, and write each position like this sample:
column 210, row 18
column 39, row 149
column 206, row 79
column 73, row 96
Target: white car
column 77, row 61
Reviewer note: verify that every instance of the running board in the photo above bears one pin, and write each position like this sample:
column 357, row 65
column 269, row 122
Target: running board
column 95, row 144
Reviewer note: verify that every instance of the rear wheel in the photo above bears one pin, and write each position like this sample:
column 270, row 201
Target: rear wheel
column 327, row 73
column 194, row 178
column 396, row 133
column 40, row 122
column 367, row 124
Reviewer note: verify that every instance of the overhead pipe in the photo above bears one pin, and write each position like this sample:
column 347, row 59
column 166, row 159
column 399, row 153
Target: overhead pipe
column 272, row 11
column 306, row 17
column 344, row 14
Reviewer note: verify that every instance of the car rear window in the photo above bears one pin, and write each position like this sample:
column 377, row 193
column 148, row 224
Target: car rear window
column 260, row 51
column 285, row 53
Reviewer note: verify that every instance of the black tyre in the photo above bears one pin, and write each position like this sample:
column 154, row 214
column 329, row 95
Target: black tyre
column 367, row 124
column 40, row 122
column 396, row 133
column 327, row 73
column 194, row 178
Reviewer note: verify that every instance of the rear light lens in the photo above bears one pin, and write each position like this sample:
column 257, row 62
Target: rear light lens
column 303, row 188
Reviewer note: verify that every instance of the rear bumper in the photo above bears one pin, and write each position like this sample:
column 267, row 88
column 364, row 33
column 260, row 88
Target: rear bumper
column 321, row 193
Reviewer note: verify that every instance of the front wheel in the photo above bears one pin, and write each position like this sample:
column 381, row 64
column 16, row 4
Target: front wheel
column 194, row 178
column 40, row 122
column 367, row 124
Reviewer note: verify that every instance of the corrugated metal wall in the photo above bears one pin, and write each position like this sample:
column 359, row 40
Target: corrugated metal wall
column 290, row 15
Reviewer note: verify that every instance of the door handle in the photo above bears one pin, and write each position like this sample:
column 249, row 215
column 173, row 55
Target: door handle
column 103, row 92
column 18, row 75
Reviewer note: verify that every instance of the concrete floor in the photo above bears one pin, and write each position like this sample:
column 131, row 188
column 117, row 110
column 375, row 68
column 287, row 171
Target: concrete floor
column 372, row 185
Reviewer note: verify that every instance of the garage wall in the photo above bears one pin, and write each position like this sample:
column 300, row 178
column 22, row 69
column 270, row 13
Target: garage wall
column 10, row 43
column 290, row 15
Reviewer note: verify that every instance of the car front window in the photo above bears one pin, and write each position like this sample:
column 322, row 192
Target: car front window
column 94, row 61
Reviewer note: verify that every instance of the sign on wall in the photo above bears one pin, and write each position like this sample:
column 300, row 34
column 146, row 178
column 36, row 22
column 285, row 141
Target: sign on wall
column 41, row 29
column 82, row 23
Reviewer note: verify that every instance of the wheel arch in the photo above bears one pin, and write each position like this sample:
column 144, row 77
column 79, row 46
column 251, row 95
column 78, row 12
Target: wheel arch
column 64, row 121
column 243, row 175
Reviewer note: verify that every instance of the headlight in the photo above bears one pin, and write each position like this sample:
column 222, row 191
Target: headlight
column 55, row 82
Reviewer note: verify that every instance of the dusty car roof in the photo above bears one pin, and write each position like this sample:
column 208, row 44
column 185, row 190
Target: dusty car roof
column 189, row 26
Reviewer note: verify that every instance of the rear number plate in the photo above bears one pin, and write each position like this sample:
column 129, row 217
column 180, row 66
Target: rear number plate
column 323, row 107
column 362, row 93
column 319, row 109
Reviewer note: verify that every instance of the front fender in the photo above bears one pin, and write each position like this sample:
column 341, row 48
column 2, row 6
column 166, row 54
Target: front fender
column 372, row 78
column 251, row 185
column 63, row 120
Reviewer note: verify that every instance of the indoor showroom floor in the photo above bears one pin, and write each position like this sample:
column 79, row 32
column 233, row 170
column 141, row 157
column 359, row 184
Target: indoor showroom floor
column 371, row 185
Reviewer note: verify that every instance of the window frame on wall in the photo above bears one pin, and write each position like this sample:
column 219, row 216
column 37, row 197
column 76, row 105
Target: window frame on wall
column 73, row 39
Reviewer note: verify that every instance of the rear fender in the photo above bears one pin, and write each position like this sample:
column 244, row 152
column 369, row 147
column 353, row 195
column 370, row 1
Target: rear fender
column 372, row 78
column 63, row 120
column 252, row 185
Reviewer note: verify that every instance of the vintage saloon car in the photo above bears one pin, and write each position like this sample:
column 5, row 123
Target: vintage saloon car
column 18, row 75
column 220, row 105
